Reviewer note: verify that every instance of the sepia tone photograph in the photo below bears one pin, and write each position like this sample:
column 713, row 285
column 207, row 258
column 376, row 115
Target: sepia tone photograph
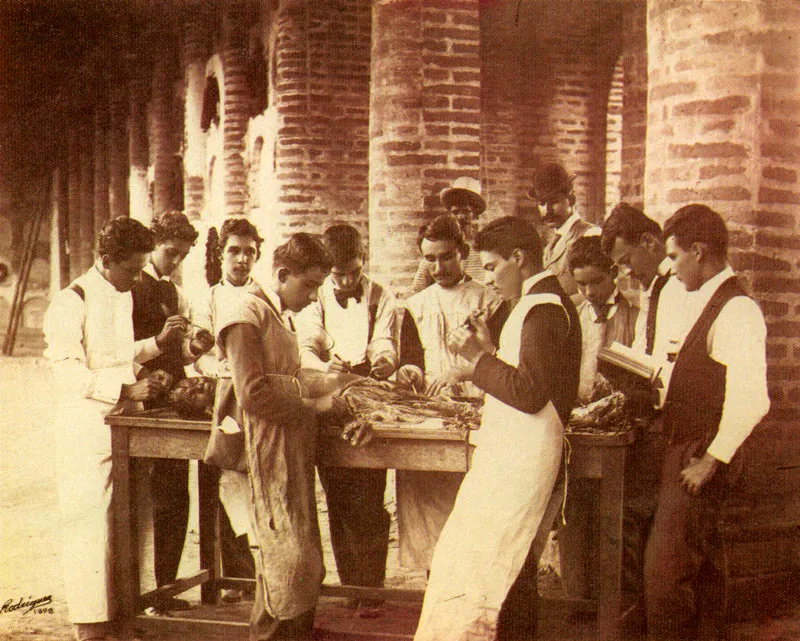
column 383, row 320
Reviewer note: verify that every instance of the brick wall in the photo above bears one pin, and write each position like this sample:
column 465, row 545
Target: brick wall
column 235, row 100
column 320, row 91
column 101, row 164
column 723, row 129
column 634, row 107
column 614, row 137
column 546, row 78
column 425, row 122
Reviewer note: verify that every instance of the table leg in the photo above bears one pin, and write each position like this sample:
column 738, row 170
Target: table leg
column 609, row 552
column 208, row 501
column 125, row 548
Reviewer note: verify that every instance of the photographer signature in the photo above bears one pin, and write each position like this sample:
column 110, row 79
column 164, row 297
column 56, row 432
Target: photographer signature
column 39, row 605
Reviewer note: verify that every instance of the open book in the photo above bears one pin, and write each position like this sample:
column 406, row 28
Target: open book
column 617, row 361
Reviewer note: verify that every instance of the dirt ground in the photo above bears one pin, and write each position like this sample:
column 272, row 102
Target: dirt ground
column 30, row 545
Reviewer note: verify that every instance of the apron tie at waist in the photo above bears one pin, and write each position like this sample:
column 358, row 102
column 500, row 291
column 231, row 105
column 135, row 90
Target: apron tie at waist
column 567, row 458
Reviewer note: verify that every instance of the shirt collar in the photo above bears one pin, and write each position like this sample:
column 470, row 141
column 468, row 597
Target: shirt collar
column 567, row 224
column 150, row 270
column 226, row 283
column 103, row 285
column 612, row 302
column 529, row 282
column 287, row 315
column 708, row 288
column 665, row 268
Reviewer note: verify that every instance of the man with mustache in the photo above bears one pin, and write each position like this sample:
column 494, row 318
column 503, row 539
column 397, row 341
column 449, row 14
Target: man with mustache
column 553, row 191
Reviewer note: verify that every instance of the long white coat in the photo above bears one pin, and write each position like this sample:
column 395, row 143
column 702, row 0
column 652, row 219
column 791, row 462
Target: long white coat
column 91, row 349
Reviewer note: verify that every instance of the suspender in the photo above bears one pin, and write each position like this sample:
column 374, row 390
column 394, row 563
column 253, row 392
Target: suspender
column 79, row 291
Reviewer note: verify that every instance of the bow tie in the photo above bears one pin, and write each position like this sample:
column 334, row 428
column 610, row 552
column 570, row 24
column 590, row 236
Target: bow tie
column 342, row 297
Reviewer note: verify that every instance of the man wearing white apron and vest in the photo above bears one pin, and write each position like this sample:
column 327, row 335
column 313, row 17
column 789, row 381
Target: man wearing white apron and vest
column 531, row 385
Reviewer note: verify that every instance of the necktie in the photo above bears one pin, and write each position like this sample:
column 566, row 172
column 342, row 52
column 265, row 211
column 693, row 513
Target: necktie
column 652, row 308
column 602, row 313
column 342, row 297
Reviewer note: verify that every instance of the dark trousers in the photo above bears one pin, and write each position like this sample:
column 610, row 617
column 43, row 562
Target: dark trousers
column 642, row 473
column 519, row 612
column 263, row 627
column 679, row 546
column 359, row 523
column 169, row 484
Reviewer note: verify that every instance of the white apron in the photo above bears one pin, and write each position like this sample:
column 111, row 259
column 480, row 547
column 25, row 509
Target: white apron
column 498, row 510
column 98, row 345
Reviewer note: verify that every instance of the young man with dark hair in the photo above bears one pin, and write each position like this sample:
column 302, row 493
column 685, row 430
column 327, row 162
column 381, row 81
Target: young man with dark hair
column 91, row 347
column 531, row 383
column 553, row 190
column 424, row 499
column 258, row 339
column 161, row 316
column 717, row 394
column 606, row 317
column 634, row 243
column 463, row 201
column 350, row 328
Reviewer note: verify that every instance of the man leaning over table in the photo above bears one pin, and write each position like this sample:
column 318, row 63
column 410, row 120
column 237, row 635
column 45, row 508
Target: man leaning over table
column 90, row 345
column 531, row 384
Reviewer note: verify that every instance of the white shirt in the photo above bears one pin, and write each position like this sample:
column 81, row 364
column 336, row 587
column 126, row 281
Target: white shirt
column 348, row 329
column 737, row 339
column 90, row 342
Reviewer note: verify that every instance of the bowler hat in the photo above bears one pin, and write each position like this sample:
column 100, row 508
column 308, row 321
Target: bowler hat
column 549, row 181
column 464, row 187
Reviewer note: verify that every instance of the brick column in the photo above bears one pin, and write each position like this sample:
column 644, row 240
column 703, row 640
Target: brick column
column 195, row 53
column 138, row 152
column 119, row 202
column 101, row 163
column 166, row 132
column 634, row 104
column 322, row 98
column 424, row 122
column 723, row 130
column 235, row 103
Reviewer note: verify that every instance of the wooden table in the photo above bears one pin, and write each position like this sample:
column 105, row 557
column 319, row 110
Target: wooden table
column 163, row 435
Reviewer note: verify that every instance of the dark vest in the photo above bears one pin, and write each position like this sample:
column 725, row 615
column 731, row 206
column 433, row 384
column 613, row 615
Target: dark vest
column 652, row 312
column 149, row 295
column 693, row 407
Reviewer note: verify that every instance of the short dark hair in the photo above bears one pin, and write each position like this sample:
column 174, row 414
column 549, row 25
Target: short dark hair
column 587, row 252
column 173, row 225
column 628, row 223
column 302, row 252
column 344, row 243
column 504, row 235
column 444, row 227
column 239, row 227
column 698, row 223
column 122, row 237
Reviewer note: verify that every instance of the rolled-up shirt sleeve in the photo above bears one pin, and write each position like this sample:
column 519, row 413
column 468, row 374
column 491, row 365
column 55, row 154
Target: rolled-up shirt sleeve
column 738, row 340
column 383, row 334
column 527, row 387
column 63, row 331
